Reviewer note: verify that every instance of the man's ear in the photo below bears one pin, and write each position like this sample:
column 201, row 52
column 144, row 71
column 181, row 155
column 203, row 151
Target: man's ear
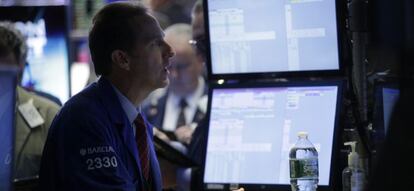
column 120, row 59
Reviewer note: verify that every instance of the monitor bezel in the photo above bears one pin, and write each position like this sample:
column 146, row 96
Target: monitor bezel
column 340, row 7
column 334, row 173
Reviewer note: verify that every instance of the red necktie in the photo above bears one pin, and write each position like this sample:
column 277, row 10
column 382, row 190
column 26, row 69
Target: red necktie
column 142, row 144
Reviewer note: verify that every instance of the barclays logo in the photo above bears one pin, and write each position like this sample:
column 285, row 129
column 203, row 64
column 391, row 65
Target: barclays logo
column 96, row 150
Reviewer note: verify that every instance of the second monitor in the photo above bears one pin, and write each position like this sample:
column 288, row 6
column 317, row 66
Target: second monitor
column 253, row 127
column 272, row 37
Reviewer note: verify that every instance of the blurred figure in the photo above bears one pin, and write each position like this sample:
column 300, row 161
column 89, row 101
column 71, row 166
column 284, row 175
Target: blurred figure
column 199, row 41
column 168, row 12
column 197, row 148
column 393, row 34
column 192, row 179
column 31, row 132
column 184, row 103
column 392, row 170
column 187, row 5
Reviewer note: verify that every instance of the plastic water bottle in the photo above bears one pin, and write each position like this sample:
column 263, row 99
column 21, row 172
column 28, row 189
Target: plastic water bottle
column 303, row 162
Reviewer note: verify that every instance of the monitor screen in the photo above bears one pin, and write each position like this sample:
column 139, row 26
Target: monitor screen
column 389, row 98
column 46, row 30
column 32, row 2
column 253, row 127
column 271, row 36
column 7, row 112
column 386, row 96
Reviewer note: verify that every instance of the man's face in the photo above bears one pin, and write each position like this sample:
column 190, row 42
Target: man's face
column 185, row 70
column 150, row 57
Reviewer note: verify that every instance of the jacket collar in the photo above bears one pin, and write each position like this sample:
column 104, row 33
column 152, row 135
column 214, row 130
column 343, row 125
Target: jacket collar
column 131, row 111
column 107, row 97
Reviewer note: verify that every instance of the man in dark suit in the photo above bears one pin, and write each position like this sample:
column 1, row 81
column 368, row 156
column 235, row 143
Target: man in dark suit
column 100, row 140
column 184, row 103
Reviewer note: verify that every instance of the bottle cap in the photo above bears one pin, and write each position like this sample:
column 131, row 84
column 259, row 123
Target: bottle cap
column 303, row 134
column 353, row 157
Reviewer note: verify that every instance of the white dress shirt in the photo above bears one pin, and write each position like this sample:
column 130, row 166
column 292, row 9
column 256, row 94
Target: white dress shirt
column 172, row 107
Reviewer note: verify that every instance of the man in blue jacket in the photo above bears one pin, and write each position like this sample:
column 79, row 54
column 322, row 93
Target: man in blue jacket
column 99, row 140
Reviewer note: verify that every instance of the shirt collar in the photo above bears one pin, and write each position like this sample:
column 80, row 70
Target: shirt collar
column 129, row 108
column 192, row 99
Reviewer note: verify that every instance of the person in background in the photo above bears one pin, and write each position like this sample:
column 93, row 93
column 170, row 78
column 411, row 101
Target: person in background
column 391, row 171
column 184, row 103
column 199, row 40
column 192, row 179
column 168, row 12
column 197, row 147
column 100, row 140
column 31, row 132
column 47, row 96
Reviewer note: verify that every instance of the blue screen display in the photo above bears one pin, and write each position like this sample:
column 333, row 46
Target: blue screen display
column 252, row 130
column 272, row 36
column 46, row 30
column 7, row 113
column 389, row 98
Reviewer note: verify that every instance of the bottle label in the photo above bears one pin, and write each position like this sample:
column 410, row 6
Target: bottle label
column 357, row 181
column 304, row 168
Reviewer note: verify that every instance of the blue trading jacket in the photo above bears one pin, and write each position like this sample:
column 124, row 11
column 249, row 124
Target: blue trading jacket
column 91, row 146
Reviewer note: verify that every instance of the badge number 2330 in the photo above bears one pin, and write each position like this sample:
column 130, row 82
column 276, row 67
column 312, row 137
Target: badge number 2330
column 101, row 162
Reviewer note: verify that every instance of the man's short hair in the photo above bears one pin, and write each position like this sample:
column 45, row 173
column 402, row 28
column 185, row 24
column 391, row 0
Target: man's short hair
column 12, row 41
column 114, row 27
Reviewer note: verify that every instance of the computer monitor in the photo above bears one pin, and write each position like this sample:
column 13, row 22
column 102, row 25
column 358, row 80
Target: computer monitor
column 389, row 99
column 252, row 128
column 8, row 80
column 46, row 30
column 33, row 3
column 270, row 38
column 386, row 96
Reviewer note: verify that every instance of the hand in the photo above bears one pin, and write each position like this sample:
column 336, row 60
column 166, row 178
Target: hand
column 184, row 134
column 240, row 189
column 160, row 135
